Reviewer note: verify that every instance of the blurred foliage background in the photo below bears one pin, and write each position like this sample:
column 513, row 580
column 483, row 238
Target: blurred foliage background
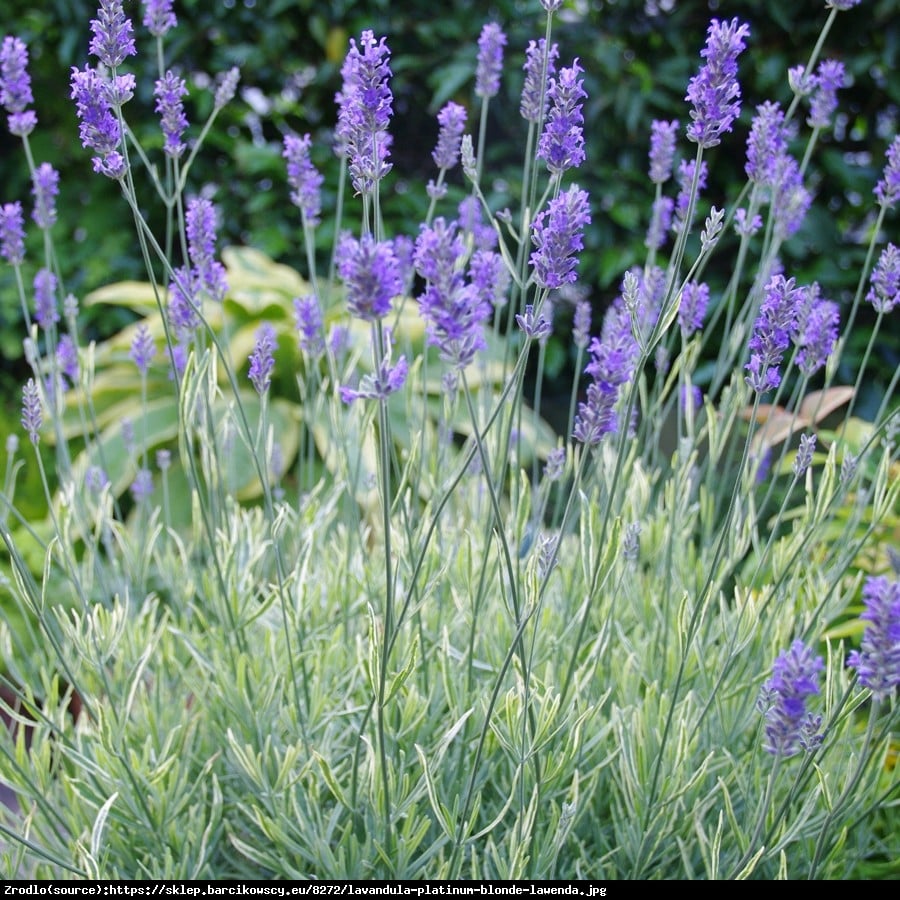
column 638, row 56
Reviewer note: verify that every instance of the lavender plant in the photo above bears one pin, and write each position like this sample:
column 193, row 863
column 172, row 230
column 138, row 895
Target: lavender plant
column 302, row 606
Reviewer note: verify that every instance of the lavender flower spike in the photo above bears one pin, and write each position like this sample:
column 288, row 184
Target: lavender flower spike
column 490, row 60
column 168, row 92
column 98, row 127
column 452, row 121
column 15, row 86
column 562, row 144
column 662, row 150
column 783, row 701
column 887, row 191
column 365, row 109
column 805, row 452
column 12, row 233
column 371, row 274
column 817, row 331
column 878, row 659
column 310, row 327
column 142, row 349
column 32, row 415
column 46, row 312
column 113, row 39
column 830, row 77
column 776, row 322
column 558, row 235
column 209, row 273
column 303, row 177
column 714, row 90
column 158, row 17
column 262, row 359
column 884, row 294
column 534, row 88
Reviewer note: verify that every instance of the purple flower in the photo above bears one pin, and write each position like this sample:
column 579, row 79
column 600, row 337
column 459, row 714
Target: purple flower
column 113, row 38
column 365, row 109
column 694, row 300
column 783, row 701
column 562, row 144
column 452, row 121
column 878, row 658
column 772, row 332
column 67, row 358
column 453, row 310
column 168, row 92
column 690, row 398
column 830, row 77
column 12, row 233
column 142, row 486
column 201, row 234
column 15, row 86
column 660, row 222
column 227, row 87
column 44, row 189
column 379, row 385
column 163, row 460
column 804, row 457
column 556, row 464
column 98, row 126
column 817, row 331
column 182, row 304
column 142, row 349
column 371, row 274
column 613, row 357
column 262, row 359
column 791, row 200
column 303, row 177
column 535, row 328
column 887, row 191
column 662, row 150
column 581, row 324
column 46, row 311
column 540, row 65
column 310, row 328
column 558, row 235
column 32, row 414
column 841, row 4
column 551, row 5
column 158, row 17
column 489, row 276
column 95, row 479
column 471, row 222
column 766, row 143
column 491, row 42
column 714, row 90
column 884, row 294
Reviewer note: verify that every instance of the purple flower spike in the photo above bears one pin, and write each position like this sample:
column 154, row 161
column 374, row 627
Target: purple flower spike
column 562, row 144
column 379, row 385
column 200, row 226
column 262, row 359
column 227, row 88
column 142, row 486
column 44, row 190
column 158, row 17
column 535, row 327
column 168, row 92
column 12, row 233
column 15, row 86
column 830, row 77
column 662, row 150
column 694, row 300
column 490, row 60
column 371, row 274
column 98, row 126
column 878, row 659
column 766, row 144
column 452, row 121
column 558, row 235
column 364, row 111
column 540, row 65
column 817, row 331
column 142, row 349
column 310, row 328
column 686, row 170
column 32, row 414
column 776, row 322
column 660, row 222
column 789, row 727
column 805, row 452
column 303, row 177
column 113, row 39
column 714, row 90
column 887, row 191
column 581, row 324
column 884, row 294
column 46, row 311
